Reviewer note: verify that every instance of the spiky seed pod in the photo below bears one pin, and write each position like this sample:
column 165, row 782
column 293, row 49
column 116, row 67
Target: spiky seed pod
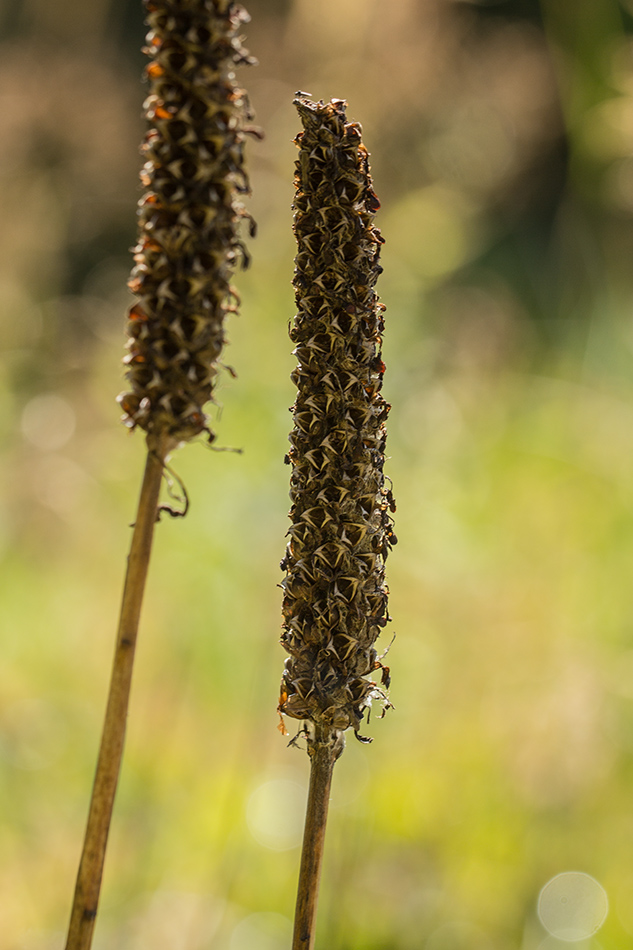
column 189, row 214
column 335, row 598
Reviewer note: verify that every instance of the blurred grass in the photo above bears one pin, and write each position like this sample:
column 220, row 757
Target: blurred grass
column 508, row 758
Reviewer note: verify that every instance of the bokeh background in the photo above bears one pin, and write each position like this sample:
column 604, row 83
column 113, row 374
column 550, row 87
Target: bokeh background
column 501, row 136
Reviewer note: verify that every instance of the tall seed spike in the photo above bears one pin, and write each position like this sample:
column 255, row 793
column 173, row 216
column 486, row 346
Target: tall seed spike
column 189, row 214
column 187, row 249
column 337, row 487
column 335, row 598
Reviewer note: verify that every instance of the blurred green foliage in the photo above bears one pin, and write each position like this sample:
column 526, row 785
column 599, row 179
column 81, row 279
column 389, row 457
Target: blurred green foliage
column 502, row 150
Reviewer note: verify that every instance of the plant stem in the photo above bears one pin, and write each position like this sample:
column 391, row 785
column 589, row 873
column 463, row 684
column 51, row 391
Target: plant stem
column 86, row 898
column 324, row 750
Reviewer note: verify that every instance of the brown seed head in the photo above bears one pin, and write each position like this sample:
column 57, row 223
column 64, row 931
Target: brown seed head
column 188, row 243
column 335, row 598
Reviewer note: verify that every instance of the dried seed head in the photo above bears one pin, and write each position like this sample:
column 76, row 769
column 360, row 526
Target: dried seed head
column 335, row 598
column 189, row 214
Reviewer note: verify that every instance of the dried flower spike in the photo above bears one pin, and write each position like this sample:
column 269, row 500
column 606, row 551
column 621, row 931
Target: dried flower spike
column 187, row 250
column 189, row 214
column 335, row 598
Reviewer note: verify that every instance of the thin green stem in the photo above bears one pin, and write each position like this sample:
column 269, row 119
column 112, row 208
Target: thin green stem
column 324, row 750
column 86, row 898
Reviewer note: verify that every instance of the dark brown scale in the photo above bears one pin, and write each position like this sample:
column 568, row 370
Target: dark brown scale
column 335, row 597
column 189, row 216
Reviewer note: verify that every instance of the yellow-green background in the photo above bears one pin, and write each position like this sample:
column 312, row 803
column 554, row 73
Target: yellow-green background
column 501, row 137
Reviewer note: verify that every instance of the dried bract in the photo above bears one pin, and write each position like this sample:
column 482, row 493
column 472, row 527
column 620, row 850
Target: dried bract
column 189, row 214
column 335, row 598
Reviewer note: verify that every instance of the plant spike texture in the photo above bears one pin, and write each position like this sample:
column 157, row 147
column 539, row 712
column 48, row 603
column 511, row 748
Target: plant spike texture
column 189, row 214
column 335, row 598
column 188, row 247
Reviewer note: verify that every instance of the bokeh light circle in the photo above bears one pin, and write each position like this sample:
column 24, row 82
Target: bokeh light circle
column 573, row 906
column 275, row 814
column 262, row 931
column 48, row 422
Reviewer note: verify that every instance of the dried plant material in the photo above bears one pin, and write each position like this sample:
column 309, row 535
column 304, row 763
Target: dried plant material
column 335, row 597
column 188, row 247
column 189, row 214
